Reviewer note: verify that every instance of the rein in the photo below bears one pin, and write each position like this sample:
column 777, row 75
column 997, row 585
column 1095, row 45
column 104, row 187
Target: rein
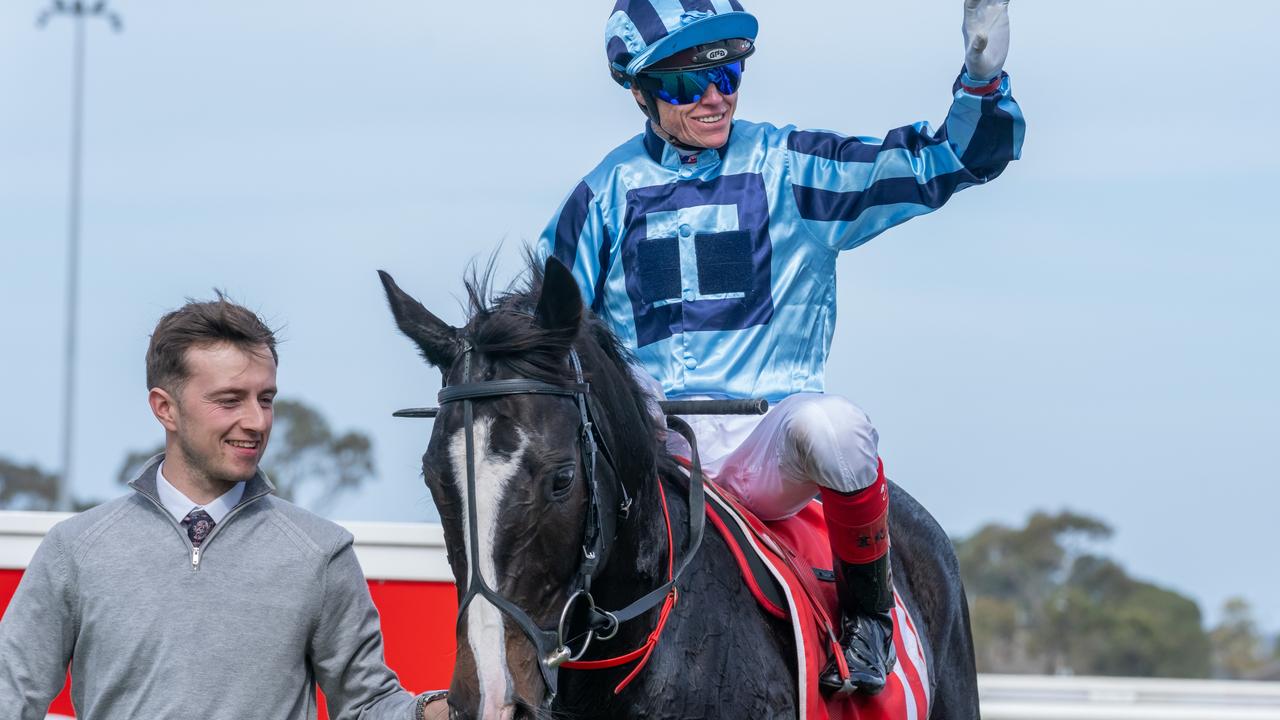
column 554, row 646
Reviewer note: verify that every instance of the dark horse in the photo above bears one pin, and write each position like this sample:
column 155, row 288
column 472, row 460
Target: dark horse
column 535, row 494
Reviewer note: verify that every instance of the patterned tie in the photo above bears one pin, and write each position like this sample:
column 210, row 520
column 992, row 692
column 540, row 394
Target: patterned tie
column 199, row 525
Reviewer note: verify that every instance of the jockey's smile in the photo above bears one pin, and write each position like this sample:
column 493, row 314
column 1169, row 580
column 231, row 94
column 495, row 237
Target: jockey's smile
column 703, row 124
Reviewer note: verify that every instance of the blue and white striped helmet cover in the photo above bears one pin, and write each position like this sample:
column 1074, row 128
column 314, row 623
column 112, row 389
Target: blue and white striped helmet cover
column 640, row 33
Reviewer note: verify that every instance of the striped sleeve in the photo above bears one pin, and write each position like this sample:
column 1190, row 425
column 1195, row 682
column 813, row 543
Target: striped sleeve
column 850, row 189
column 577, row 237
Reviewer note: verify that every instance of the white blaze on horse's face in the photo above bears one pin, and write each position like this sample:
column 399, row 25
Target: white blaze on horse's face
column 486, row 631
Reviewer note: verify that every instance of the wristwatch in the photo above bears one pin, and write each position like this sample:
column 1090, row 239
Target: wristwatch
column 420, row 710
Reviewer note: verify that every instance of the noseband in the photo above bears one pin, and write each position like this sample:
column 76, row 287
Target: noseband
column 555, row 647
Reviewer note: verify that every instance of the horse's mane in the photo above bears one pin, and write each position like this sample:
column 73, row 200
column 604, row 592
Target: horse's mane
column 500, row 329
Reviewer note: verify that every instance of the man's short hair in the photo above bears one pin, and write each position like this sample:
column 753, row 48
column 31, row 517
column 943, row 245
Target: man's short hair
column 201, row 324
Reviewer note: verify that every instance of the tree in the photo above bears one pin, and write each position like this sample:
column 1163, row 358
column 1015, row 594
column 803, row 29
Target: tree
column 26, row 487
column 306, row 461
column 1025, row 564
column 998, row 638
column 1011, row 575
column 1239, row 651
column 1107, row 623
column 1043, row 602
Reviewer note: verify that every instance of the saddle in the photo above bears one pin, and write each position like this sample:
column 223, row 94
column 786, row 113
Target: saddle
column 786, row 565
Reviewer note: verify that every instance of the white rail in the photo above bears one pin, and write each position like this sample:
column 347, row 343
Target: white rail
column 387, row 551
column 1034, row 697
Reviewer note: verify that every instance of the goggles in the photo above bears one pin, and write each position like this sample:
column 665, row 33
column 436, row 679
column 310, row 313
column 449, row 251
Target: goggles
column 688, row 86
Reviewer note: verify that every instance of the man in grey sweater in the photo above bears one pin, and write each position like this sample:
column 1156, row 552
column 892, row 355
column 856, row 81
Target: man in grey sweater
column 200, row 594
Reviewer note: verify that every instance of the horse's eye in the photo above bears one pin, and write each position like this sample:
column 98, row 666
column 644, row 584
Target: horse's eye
column 562, row 483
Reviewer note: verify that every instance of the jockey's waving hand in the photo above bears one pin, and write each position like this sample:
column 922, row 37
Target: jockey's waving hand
column 986, row 37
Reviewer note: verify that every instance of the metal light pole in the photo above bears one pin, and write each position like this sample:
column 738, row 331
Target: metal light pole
column 78, row 11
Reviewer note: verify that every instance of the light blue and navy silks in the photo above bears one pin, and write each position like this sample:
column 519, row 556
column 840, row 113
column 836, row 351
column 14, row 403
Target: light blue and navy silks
column 719, row 269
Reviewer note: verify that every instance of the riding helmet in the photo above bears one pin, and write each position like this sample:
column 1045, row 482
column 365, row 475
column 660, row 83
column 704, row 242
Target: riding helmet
column 640, row 34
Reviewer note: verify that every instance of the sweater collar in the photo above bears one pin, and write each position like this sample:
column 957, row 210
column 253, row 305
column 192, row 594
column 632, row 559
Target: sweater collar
column 145, row 483
column 179, row 505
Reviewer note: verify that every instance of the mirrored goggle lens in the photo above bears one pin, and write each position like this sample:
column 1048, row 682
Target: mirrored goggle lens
column 682, row 88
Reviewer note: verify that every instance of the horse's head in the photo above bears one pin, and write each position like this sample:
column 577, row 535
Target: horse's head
column 510, row 463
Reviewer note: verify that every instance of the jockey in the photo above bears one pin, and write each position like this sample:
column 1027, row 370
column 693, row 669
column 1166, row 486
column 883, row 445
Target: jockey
column 709, row 246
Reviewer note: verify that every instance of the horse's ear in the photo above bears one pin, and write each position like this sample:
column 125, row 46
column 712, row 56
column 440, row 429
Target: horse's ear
column 560, row 304
column 437, row 340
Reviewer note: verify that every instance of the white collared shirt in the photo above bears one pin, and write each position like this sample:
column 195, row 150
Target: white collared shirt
column 179, row 505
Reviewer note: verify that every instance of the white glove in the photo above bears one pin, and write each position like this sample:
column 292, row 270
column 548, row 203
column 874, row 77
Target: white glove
column 986, row 37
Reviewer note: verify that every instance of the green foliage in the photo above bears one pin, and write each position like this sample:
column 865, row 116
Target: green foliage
column 1043, row 603
column 1107, row 623
column 999, row 640
column 306, row 461
column 26, row 487
column 1239, row 650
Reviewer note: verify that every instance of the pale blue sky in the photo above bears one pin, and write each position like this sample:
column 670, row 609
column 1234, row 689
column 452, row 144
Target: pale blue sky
column 1095, row 330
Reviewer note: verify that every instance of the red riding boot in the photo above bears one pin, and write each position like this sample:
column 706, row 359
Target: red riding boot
column 858, row 526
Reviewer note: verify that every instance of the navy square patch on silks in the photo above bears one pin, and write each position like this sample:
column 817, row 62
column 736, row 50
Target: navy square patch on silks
column 732, row 296
column 658, row 269
column 724, row 262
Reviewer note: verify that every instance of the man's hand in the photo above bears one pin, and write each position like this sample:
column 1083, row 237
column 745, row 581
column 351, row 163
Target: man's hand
column 986, row 37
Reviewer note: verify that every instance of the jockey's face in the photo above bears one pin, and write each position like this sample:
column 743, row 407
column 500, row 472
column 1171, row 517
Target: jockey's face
column 221, row 417
column 704, row 123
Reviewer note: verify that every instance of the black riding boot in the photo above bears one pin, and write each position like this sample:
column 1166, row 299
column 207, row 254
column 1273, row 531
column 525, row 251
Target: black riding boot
column 866, row 628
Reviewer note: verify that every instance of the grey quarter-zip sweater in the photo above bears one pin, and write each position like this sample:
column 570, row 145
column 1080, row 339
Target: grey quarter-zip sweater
column 272, row 603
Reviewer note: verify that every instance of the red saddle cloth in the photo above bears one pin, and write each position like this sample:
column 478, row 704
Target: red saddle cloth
column 777, row 561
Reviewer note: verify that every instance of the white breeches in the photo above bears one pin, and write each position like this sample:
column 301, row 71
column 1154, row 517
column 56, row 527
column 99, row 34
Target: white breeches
column 775, row 463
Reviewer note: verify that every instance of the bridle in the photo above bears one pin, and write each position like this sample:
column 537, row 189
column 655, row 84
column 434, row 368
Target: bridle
column 555, row 647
